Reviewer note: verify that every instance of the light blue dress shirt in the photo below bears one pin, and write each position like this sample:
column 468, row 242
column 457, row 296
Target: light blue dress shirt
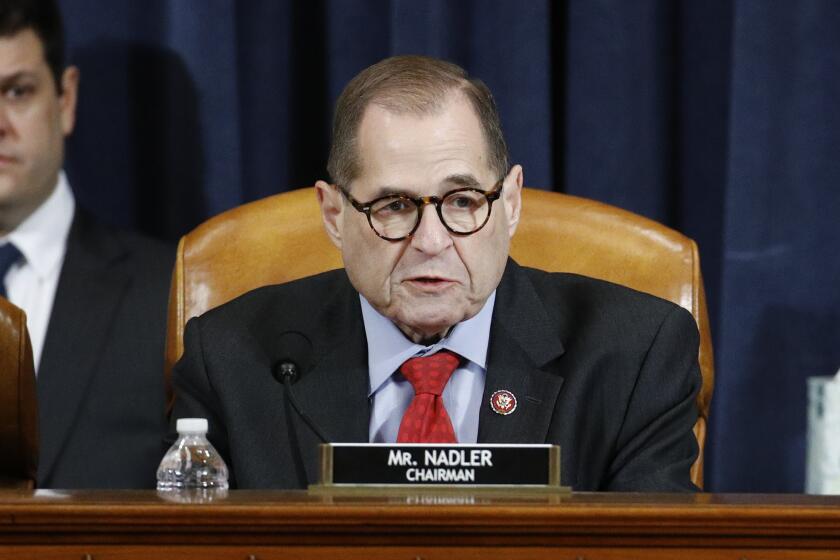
column 391, row 393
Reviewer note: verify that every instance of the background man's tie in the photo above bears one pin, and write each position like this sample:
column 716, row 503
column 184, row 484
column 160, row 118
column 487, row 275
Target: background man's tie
column 9, row 255
column 426, row 419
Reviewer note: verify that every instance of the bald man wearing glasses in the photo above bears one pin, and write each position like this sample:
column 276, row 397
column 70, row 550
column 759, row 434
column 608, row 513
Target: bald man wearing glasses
column 431, row 314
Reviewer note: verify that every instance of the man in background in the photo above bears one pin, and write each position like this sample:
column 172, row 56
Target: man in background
column 95, row 297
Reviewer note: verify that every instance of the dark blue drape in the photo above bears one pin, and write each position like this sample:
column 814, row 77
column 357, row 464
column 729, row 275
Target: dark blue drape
column 719, row 119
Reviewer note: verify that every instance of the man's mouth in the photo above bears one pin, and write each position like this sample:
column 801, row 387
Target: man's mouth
column 429, row 282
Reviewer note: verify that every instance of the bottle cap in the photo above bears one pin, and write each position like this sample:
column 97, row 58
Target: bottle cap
column 191, row 425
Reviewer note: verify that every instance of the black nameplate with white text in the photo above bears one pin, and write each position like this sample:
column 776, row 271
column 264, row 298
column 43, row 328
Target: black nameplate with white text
column 377, row 464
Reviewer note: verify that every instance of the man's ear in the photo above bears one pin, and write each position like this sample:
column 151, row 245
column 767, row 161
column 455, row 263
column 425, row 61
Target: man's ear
column 332, row 208
column 68, row 97
column 512, row 197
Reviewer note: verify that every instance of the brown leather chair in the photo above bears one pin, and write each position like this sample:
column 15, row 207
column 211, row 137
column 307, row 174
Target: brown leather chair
column 281, row 238
column 18, row 401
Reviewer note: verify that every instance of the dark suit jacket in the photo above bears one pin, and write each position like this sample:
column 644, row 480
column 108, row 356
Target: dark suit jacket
column 608, row 373
column 100, row 381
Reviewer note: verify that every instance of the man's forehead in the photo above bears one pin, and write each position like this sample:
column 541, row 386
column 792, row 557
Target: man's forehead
column 445, row 184
column 446, row 146
column 21, row 52
column 405, row 104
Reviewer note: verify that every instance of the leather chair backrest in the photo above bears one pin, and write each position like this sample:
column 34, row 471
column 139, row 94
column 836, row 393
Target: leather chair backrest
column 282, row 238
column 18, row 401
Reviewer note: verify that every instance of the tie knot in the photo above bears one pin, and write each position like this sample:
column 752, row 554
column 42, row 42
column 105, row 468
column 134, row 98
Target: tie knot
column 9, row 255
column 429, row 374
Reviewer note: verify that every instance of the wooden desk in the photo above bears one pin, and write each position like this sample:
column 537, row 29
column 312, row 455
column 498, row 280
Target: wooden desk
column 262, row 525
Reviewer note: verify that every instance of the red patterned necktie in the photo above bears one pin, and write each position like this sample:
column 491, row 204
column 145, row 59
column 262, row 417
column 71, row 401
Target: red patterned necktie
column 426, row 419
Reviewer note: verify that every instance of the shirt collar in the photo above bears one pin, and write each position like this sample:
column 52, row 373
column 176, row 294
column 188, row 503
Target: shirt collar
column 36, row 236
column 388, row 347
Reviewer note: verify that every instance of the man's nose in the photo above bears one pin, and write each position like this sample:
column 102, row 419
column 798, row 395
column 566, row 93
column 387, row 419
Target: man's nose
column 5, row 123
column 431, row 235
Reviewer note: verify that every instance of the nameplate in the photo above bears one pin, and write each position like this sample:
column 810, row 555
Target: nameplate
column 477, row 465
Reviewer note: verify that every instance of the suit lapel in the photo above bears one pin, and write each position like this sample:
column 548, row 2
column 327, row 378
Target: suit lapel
column 523, row 345
column 333, row 394
column 88, row 294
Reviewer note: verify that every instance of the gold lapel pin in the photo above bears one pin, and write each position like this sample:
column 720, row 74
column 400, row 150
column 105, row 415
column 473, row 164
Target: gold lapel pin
column 503, row 402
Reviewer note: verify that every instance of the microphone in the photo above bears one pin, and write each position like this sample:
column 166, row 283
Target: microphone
column 294, row 356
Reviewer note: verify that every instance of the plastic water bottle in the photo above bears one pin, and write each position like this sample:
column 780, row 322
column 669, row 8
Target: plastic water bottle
column 192, row 463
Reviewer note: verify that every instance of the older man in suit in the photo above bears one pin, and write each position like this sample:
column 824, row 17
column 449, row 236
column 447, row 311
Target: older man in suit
column 95, row 297
column 431, row 333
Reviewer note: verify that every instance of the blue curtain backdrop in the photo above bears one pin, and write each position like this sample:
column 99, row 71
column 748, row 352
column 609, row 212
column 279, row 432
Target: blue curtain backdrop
column 720, row 119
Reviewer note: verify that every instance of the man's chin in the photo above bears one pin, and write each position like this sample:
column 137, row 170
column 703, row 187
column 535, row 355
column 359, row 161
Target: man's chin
column 8, row 182
column 7, row 195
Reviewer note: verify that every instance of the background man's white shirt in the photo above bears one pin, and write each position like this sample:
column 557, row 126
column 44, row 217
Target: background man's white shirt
column 42, row 239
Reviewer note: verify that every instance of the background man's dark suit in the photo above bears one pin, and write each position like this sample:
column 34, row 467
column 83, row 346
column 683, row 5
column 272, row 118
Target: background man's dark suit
column 608, row 373
column 100, row 381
